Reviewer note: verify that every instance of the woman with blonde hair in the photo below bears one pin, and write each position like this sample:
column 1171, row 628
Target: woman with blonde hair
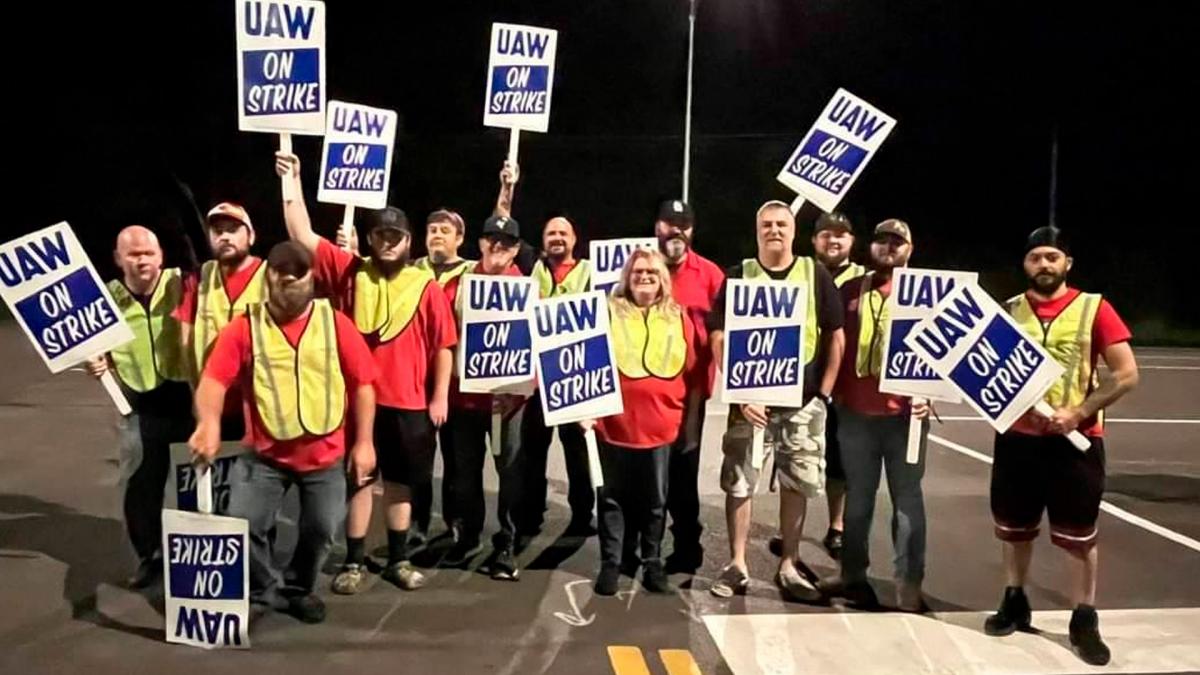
column 655, row 346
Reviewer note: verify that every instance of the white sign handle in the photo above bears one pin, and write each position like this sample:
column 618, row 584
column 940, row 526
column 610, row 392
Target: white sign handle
column 797, row 203
column 115, row 393
column 593, row 453
column 1077, row 439
column 514, row 141
column 285, row 146
column 913, row 453
column 758, row 454
column 204, row 489
column 347, row 228
column 497, row 430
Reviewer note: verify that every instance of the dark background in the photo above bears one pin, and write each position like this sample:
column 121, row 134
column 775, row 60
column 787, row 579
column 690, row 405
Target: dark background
column 120, row 105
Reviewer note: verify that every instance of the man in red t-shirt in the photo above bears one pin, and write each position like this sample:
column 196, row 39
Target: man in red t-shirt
column 295, row 406
column 695, row 282
column 1035, row 467
column 410, row 330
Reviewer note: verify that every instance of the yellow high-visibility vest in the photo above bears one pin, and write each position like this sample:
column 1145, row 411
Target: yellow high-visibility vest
column 1068, row 338
column 803, row 270
column 215, row 309
column 853, row 271
column 648, row 343
column 872, row 318
column 576, row 281
column 387, row 305
column 298, row 390
column 155, row 355
column 461, row 267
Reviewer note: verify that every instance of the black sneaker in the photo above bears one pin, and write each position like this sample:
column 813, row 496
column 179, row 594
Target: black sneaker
column 654, row 579
column 685, row 560
column 775, row 546
column 462, row 552
column 1085, row 636
column 1014, row 614
column 146, row 573
column 504, row 566
column 308, row 608
column 607, row 580
column 833, row 543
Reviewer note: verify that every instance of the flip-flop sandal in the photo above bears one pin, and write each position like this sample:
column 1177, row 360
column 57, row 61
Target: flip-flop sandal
column 732, row 581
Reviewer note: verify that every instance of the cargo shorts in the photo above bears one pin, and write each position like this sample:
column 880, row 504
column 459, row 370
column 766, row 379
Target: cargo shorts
column 794, row 437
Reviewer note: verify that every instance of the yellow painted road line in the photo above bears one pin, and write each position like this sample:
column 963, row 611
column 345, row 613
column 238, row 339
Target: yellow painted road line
column 627, row 661
column 679, row 662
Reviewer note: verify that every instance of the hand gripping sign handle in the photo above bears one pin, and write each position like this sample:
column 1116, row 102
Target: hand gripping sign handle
column 514, row 141
column 593, row 454
column 912, row 453
column 204, row 489
column 115, row 393
column 497, row 430
column 347, row 228
column 1077, row 439
column 285, row 182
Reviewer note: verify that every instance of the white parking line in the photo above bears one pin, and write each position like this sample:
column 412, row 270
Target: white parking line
column 1107, row 420
column 1108, row 508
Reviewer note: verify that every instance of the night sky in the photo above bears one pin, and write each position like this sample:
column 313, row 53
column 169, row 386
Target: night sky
column 118, row 106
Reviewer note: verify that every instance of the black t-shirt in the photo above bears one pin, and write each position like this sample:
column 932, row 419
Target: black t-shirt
column 829, row 311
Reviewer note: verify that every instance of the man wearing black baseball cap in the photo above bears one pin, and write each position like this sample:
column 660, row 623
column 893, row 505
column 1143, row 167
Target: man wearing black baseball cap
column 410, row 328
column 1036, row 468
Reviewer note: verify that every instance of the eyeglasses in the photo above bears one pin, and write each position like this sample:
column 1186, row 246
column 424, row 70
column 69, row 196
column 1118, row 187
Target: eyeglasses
column 643, row 272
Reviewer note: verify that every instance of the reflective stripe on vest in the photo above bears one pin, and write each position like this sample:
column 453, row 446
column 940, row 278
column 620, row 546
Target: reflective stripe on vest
column 648, row 343
column 852, row 272
column 386, row 306
column 155, row 354
column 214, row 309
column 802, row 270
column 459, row 268
column 872, row 317
column 576, row 281
column 299, row 390
column 1068, row 338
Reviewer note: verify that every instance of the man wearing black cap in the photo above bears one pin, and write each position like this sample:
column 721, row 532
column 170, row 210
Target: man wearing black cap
column 470, row 422
column 410, row 330
column 297, row 360
column 695, row 281
column 1036, row 468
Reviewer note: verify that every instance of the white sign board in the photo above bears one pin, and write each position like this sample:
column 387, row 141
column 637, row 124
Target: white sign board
column 915, row 292
column 206, row 577
column 608, row 257
column 182, row 477
column 763, row 361
column 281, row 66
column 836, row 150
column 576, row 366
column 975, row 345
column 356, row 163
column 495, row 345
column 520, row 77
column 51, row 288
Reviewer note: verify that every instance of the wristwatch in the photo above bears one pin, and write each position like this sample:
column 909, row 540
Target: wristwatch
column 827, row 399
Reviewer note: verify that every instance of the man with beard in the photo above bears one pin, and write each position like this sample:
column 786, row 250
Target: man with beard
column 1036, row 468
column 695, row 281
column 873, row 434
column 298, row 360
column 410, row 330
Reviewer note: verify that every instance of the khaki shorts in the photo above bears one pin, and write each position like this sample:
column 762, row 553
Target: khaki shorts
column 795, row 437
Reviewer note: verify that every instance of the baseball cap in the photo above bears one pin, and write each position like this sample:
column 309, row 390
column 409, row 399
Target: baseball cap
column 1048, row 235
column 289, row 257
column 834, row 220
column 388, row 217
column 676, row 212
column 896, row 227
column 231, row 211
column 502, row 225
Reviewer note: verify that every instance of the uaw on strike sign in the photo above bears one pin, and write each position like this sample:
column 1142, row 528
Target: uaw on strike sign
column 520, row 77
column 206, row 577
column 357, row 161
column 764, row 342
column 915, row 295
column 576, row 367
column 496, row 346
column 281, row 66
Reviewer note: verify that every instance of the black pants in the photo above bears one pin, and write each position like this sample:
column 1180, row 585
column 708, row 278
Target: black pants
column 423, row 497
column 535, row 446
column 683, row 495
column 145, row 461
column 469, row 432
column 634, row 496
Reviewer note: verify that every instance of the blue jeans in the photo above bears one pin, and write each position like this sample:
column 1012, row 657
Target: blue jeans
column 869, row 443
column 257, row 495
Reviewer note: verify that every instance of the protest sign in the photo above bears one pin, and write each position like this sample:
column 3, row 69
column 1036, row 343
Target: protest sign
column 520, row 79
column 608, row 258
column 281, row 66
column 495, row 344
column 183, row 478
column 915, row 292
column 356, row 163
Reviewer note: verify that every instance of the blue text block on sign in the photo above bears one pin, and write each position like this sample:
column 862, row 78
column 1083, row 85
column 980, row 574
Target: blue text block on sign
column 499, row 349
column 577, row 373
column 281, row 81
column 997, row 367
column 764, row 357
column 67, row 313
column 206, row 567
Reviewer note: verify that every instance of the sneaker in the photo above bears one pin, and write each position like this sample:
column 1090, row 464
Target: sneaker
column 733, row 581
column 146, row 574
column 350, row 579
column 462, row 552
column 775, row 546
column 1014, row 614
column 685, row 560
column 796, row 586
column 833, row 543
column 858, row 594
column 654, row 579
column 404, row 575
column 1085, row 636
column 504, row 567
column 607, row 580
column 308, row 608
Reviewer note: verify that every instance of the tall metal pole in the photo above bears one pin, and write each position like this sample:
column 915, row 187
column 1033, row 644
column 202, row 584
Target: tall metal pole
column 1054, row 178
column 687, row 116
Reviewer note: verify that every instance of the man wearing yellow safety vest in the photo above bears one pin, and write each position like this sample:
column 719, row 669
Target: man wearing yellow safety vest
column 153, row 373
column 227, row 286
column 410, row 330
column 1036, row 468
column 298, row 360
column 873, row 434
column 558, row 272
column 795, row 435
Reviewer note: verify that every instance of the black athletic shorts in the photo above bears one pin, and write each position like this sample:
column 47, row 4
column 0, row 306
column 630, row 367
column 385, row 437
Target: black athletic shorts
column 1032, row 474
column 404, row 446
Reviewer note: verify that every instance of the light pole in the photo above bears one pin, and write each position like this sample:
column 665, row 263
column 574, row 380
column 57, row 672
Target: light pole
column 687, row 115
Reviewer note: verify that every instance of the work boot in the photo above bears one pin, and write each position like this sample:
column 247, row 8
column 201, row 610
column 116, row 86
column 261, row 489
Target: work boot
column 1085, row 636
column 654, row 579
column 607, row 580
column 1014, row 614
